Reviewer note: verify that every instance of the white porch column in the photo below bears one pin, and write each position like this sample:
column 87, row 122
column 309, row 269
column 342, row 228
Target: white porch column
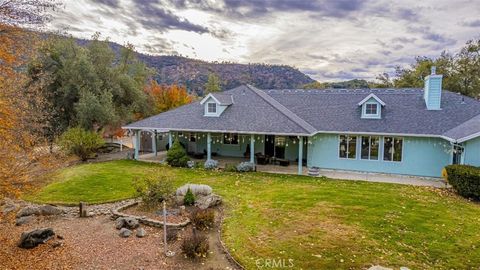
column 154, row 142
column 252, row 148
column 209, row 146
column 300, row 155
column 136, row 140
column 170, row 142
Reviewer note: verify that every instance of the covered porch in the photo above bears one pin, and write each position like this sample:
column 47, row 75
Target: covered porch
column 269, row 152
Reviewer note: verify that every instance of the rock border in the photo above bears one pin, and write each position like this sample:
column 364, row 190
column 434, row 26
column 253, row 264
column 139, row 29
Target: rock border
column 116, row 213
column 222, row 244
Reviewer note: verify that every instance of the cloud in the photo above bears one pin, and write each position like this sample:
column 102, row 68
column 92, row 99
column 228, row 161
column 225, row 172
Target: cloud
column 152, row 15
column 329, row 40
column 110, row 3
column 471, row 23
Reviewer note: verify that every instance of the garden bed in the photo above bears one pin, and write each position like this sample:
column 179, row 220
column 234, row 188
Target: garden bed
column 174, row 215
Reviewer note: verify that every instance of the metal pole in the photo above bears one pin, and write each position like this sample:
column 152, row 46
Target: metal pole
column 165, row 228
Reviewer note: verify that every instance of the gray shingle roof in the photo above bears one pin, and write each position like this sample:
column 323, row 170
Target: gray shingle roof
column 224, row 99
column 305, row 112
column 250, row 113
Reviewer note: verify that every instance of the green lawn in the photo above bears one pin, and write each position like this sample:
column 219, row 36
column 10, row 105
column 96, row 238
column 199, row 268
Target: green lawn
column 316, row 223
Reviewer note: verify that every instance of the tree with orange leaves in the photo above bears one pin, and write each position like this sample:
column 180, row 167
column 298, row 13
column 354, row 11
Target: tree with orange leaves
column 20, row 107
column 167, row 97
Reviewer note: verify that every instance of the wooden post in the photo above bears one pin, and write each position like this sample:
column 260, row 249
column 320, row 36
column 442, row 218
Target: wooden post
column 82, row 209
column 252, row 148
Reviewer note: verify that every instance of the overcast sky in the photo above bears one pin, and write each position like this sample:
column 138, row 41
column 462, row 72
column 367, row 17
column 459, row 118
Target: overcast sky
column 328, row 40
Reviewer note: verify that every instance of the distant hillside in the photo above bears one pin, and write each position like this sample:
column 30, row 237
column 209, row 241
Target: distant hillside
column 194, row 73
column 351, row 84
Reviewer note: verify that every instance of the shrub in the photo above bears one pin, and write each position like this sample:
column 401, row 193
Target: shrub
column 245, row 167
column 80, row 142
column 189, row 198
column 177, row 156
column 154, row 188
column 172, row 233
column 202, row 219
column 195, row 245
column 465, row 180
column 230, row 167
column 210, row 164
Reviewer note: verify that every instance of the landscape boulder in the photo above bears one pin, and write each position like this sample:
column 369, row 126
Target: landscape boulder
column 49, row 210
column 141, row 232
column 197, row 190
column 33, row 238
column 8, row 205
column 204, row 202
column 126, row 222
column 24, row 220
column 28, row 211
column 124, row 232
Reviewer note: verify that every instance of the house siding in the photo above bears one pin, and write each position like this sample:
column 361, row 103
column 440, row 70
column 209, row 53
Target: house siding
column 472, row 152
column 421, row 156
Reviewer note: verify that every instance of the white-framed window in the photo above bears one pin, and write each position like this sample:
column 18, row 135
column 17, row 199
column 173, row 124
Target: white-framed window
column 230, row 138
column 347, row 147
column 392, row 149
column 370, row 147
column 212, row 107
column 371, row 109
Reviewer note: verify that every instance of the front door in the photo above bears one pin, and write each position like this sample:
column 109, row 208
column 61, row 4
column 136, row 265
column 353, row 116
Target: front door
column 269, row 145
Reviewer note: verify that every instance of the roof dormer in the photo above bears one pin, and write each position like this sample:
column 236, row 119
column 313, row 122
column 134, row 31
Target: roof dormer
column 371, row 107
column 216, row 104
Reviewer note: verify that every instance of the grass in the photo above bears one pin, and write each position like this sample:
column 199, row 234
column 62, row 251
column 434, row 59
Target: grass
column 313, row 223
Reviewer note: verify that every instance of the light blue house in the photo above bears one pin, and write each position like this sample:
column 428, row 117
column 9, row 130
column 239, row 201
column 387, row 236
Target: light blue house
column 395, row 131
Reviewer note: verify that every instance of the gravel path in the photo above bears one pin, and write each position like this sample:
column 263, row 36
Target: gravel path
column 94, row 243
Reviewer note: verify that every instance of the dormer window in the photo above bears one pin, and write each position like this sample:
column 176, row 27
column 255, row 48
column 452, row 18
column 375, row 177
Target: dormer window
column 371, row 107
column 215, row 104
column 212, row 107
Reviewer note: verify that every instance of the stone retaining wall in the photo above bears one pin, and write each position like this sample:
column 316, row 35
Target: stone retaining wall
column 116, row 213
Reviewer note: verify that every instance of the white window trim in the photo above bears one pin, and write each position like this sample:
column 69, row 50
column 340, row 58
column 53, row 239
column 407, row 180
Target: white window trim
column 393, row 152
column 207, row 112
column 347, row 150
column 370, row 148
column 374, row 116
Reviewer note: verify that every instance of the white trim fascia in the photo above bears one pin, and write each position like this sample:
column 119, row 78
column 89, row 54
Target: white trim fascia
column 372, row 95
column 220, row 131
column 386, row 134
column 469, row 137
column 300, row 134
column 207, row 97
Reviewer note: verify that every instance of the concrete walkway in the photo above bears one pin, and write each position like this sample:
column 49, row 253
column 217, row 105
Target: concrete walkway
column 334, row 174
column 384, row 178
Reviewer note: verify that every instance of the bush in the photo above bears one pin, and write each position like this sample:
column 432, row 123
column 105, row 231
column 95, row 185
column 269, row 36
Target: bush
column 172, row 233
column 80, row 142
column 210, row 164
column 465, row 180
column 154, row 188
column 230, row 167
column 189, row 198
column 195, row 245
column 177, row 156
column 202, row 219
column 245, row 167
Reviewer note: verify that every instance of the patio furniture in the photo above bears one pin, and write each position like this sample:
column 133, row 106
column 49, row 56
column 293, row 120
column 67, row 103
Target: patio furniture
column 283, row 162
column 262, row 159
